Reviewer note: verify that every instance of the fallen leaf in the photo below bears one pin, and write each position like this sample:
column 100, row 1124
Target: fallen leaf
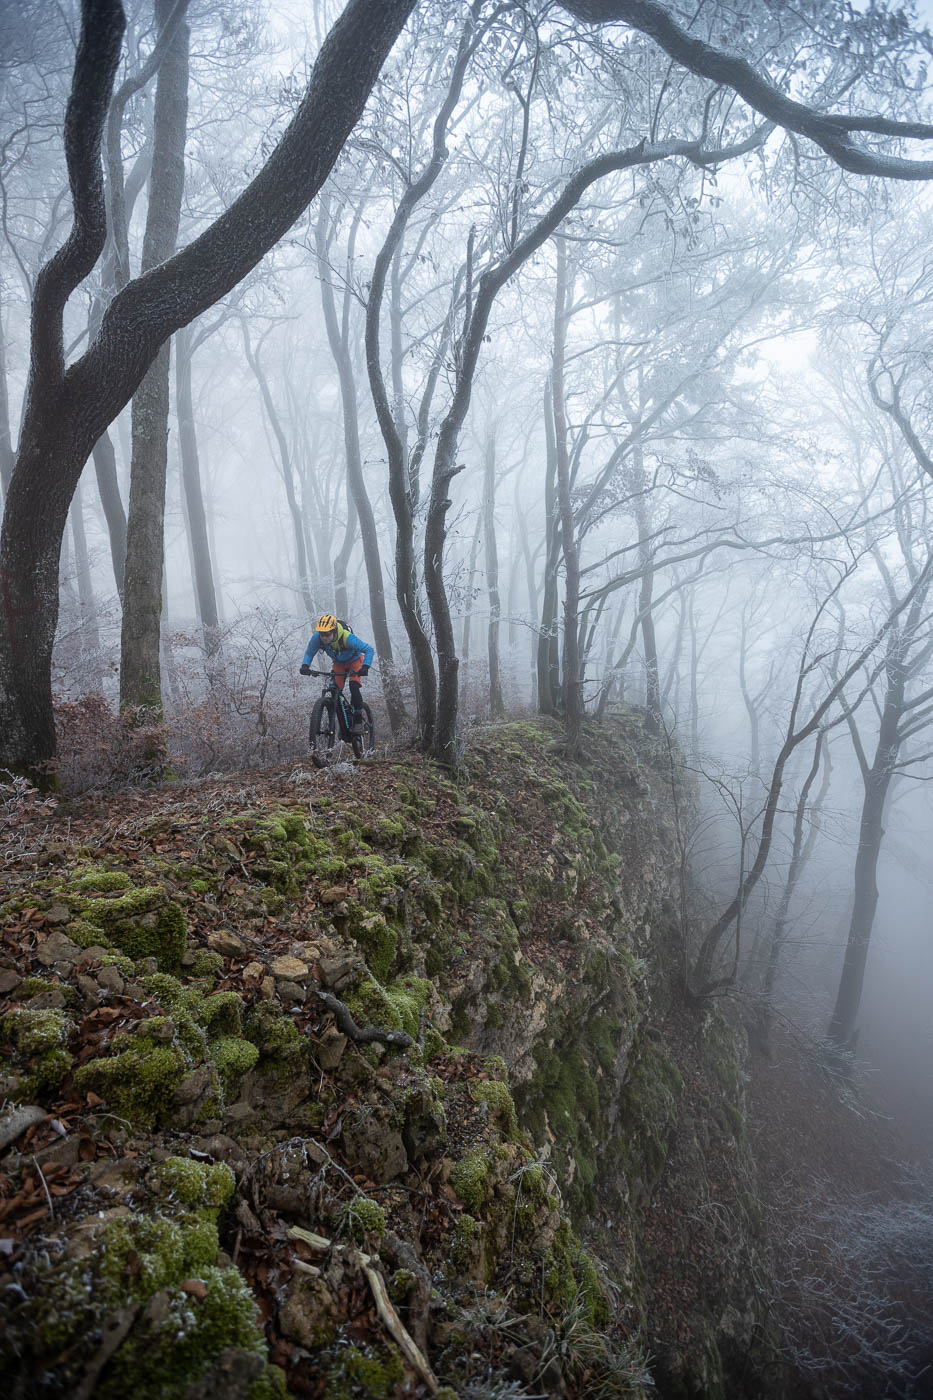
column 195, row 1287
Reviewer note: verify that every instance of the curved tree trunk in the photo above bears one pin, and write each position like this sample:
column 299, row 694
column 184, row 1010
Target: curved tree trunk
column 548, row 652
column 108, row 486
column 573, row 691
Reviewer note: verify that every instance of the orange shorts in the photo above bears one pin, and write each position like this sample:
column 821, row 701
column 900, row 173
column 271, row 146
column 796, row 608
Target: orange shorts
column 342, row 669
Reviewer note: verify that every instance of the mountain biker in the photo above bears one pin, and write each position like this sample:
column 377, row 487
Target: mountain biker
column 351, row 657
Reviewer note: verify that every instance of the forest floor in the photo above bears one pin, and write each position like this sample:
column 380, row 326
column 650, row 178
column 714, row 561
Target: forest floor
column 840, row 1212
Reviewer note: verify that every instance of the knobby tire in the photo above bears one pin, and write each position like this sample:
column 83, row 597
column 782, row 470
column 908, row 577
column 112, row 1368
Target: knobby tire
column 321, row 733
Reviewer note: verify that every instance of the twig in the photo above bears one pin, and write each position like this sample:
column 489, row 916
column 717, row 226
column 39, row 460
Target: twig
column 45, row 1188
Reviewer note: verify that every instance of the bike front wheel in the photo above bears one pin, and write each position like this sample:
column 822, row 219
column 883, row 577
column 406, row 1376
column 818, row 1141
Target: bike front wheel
column 321, row 733
column 364, row 743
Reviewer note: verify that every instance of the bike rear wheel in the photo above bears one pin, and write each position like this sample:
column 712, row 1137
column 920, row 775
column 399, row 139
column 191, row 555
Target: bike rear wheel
column 365, row 743
column 321, row 733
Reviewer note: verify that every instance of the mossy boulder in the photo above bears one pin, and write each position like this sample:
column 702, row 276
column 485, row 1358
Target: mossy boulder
column 138, row 1080
column 142, row 922
column 41, row 1059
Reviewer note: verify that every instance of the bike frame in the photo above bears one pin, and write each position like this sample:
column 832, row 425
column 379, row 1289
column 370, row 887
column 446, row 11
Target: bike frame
column 342, row 707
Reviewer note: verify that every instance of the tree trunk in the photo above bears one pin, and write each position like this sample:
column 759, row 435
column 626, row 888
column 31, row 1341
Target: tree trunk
column 108, row 486
column 6, row 441
column 573, row 690
column 90, row 636
column 496, row 702
column 548, row 654
column 471, row 582
column 877, row 779
column 140, row 673
column 195, row 514
column 342, row 560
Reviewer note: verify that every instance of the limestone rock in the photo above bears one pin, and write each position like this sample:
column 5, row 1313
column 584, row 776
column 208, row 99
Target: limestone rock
column 110, row 979
column 329, row 1051
column 288, row 969
column 309, row 1316
column 58, row 914
column 291, row 993
column 372, row 1142
column 253, row 970
column 338, row 972
column 226, row 942
column 58, row 948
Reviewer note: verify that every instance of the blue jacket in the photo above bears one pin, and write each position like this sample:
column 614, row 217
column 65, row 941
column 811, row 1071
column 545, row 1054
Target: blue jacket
column 346, row 646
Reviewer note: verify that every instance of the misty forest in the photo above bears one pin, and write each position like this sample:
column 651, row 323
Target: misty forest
column 558, row 1025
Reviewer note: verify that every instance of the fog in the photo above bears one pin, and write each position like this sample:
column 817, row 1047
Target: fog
column 716, row 364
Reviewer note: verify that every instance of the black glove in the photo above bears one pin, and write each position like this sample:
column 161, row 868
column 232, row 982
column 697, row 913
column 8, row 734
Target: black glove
column 364, row 671
column 304, row 668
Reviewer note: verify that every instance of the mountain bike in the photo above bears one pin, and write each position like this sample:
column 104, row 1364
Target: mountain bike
column 331, row 719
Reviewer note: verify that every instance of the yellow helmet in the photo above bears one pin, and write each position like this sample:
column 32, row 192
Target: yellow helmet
column 327, row 623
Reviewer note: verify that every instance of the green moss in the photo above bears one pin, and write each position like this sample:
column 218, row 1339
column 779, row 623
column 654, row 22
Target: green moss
column 563, row 1100
column 470, row 1180
column 233, row 1057
column 36, row 1032
column 46, row 1074
column 161, row 1359
column 139, row 1080
column 39, row 986
column 206, row 963
column 196, row 1184
column 276, row 1035
column 122, row 963
column 501, row 1106
column 408, row 995
column 87, row 935
column 141, row 922
column 648, row 1111
column 361, row 1217
column 378, row 942
column 330, row 869
column 571, row 1280
column 132, row 1259
column 102, row 881
column 376, row 1375
column 221, row 1014
column 270, row 1385
column 466, row 1232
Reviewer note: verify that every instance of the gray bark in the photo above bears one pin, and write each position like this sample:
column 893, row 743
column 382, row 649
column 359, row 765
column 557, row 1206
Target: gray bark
column 496, row 702
column 140, row 672
column 195, row 515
